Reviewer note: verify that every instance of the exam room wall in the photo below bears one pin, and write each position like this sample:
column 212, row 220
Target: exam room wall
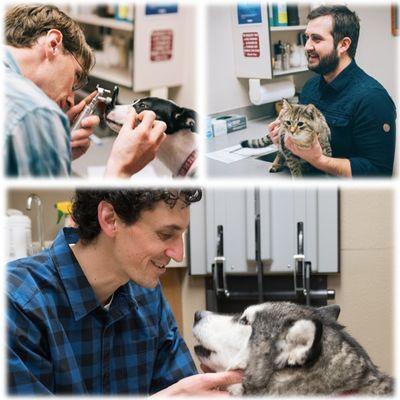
column 376, row 53
column 364, row 287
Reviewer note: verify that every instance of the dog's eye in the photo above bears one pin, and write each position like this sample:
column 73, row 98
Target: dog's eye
column 244, row 321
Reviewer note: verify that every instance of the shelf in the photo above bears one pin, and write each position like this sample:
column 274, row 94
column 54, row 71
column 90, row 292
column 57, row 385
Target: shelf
column 290, row 71
column 111, row 23
column 288, row 28
column 117, row 75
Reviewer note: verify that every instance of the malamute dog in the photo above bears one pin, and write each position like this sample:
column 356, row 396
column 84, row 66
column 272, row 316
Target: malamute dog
column 287, row 349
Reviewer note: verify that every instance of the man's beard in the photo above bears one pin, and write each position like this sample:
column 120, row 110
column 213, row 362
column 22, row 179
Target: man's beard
column 326, row 63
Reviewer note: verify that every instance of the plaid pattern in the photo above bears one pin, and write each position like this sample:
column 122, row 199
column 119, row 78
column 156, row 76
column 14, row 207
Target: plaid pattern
column 37, row 136
column 61, row 340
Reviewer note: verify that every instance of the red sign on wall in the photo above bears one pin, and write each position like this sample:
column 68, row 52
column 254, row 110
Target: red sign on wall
column 161, row 45
column 251, row 44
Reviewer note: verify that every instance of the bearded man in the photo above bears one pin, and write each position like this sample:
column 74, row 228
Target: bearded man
column 359, row 111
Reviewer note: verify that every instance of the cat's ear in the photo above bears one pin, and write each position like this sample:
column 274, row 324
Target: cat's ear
column 311, row 111
column 286, row 105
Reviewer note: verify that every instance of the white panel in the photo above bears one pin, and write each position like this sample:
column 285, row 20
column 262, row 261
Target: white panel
column 197, row 235
column 328, row 243
column 311, row 228
column 148, row 74
column 282, row 232
column 252, row 67
column 250, row 228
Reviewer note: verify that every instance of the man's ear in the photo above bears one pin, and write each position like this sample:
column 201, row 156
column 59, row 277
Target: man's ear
column 344, row 45
column 53, row 43
column 301, row 343
column 107, row 218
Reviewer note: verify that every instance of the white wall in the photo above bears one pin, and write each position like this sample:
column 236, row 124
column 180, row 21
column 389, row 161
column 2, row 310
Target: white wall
column 376, row 54
column 377, row 48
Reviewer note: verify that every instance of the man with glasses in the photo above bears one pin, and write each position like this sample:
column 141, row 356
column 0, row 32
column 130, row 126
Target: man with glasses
column 46, row 60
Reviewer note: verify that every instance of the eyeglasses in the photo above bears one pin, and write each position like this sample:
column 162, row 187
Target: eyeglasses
column 81, row 78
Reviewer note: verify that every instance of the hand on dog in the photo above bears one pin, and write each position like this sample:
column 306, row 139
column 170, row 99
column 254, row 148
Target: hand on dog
column 209, row 384
column 135, row 145
column 80, row 142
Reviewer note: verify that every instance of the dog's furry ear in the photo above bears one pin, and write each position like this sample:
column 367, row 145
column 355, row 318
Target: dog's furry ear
column 330, row 312
column 300, row 344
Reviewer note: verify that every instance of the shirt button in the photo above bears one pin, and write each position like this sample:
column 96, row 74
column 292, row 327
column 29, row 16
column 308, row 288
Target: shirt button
column 386, row 127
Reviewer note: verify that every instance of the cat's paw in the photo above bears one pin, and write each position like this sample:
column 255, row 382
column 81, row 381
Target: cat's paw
column 275, row 169
column 245, row 143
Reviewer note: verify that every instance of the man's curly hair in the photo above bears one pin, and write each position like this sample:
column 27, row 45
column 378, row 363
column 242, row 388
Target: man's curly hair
column 128, row 204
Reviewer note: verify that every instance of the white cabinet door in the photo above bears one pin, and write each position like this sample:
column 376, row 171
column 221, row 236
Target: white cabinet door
column 280, row 211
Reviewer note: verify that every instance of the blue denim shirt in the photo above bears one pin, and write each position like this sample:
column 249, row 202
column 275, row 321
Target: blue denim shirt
column 361, row 116
column 37, row 135
column 62, row 341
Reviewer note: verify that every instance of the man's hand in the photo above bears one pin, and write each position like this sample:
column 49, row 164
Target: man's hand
column 273, row 130
column 314, row 156
column 210, row 384
column 80, row 141
column 135, row 146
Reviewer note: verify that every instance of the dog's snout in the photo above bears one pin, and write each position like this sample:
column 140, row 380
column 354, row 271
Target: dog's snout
column 197, row 317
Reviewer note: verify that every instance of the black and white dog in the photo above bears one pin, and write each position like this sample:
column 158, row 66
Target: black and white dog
column 178, row 152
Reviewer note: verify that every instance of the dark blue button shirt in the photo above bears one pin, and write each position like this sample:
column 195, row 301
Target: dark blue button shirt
column 61, row 339
column 361, row 116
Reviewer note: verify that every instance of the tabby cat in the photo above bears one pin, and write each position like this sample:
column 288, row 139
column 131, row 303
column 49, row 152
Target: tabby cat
column 302, row 123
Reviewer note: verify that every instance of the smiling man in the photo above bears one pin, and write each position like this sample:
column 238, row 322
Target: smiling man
column 88, row 316
column 359, row 111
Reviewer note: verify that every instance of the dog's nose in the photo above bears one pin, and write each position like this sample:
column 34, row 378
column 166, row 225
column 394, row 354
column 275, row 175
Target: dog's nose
column 197, row 317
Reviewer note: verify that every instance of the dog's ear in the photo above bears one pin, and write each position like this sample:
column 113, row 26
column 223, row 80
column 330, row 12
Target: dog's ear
column 330, row 312
column 186, row 119
column 300, row 343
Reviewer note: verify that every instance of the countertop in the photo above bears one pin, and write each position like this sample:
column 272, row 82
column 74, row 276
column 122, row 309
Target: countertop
column 248, row 167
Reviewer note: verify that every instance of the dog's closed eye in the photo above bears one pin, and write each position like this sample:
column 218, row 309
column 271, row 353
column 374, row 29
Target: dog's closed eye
column 244, row 321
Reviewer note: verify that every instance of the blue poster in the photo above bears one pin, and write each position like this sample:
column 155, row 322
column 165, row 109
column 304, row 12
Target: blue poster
column 249, row 13
column 161, row 9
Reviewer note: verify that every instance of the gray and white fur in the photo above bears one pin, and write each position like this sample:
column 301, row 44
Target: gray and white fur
column 303, row 124
column 288, row 349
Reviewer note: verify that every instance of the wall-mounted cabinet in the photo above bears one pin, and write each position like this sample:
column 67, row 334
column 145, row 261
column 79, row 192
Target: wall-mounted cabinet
column 279, row 210
column 264, row 51
column 144, row 53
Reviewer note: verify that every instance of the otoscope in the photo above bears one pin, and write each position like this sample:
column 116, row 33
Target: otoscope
column 100, row 97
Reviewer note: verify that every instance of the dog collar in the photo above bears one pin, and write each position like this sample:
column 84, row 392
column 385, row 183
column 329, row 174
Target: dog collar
column 184, row 169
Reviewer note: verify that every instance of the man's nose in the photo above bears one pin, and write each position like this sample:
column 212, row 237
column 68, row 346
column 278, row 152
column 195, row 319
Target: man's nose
column 308, row 46
column 176, row 250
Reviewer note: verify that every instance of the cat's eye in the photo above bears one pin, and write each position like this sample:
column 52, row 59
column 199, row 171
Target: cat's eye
column 288, row 123
column 300, row 124
column 244, row 321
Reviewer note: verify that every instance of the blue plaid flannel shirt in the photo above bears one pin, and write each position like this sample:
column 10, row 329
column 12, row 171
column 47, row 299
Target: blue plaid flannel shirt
column 62, row 341
column 37, row 131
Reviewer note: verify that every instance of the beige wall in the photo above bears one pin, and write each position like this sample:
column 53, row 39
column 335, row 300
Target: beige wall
column 364, row 288
column 17, row 199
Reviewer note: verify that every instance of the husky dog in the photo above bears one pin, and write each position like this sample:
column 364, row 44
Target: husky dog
column 178, row 152
column 287, row 349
